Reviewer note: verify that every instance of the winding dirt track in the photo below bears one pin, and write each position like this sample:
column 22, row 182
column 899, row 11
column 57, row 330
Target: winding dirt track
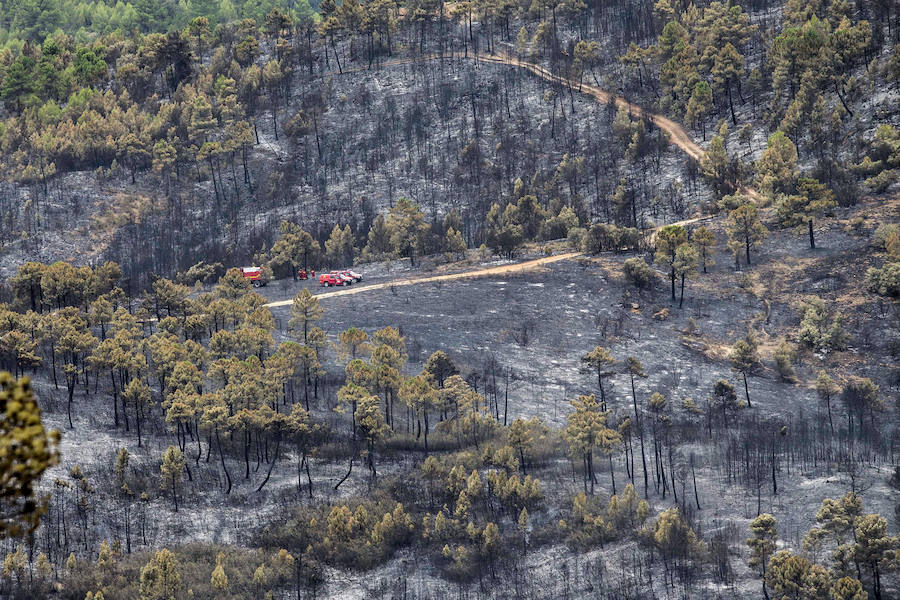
column 677, row 135
column 486, row 272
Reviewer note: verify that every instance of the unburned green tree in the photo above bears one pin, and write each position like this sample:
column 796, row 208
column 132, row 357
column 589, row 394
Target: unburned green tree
column 811, row 200
column 745, row 358
column 725, row 397
column 668, row 239
column 439, row 367
column 638, row 272
column 340, row 247
column 372, row 427
column 352, row 344
column 27, row 449
column 745, row 227
column 161, row 577
column 219, row 579
column 685, row 266
column 523, row 435
column 791, row 576
column 171, row 471
column 837, row 520
column 26, row 285
column 674, row 537
column 762, row 544
column 421, row 398
column 704, row 241
column 305, row 310
column 601, row 361
column 586, row 430
column 453, row 243
column 137, row 394
column 848, row 588
column 778, row 165
column 860, row 395
column 294, row 248
column 875, row 549
column 407, row 229
column 698, row 106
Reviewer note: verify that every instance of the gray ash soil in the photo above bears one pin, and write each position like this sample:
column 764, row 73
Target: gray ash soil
column 539, row 324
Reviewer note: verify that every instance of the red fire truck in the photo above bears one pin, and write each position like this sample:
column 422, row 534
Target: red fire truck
column 255, row 275
column 335, row 278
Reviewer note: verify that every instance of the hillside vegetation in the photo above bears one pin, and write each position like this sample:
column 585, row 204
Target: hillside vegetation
column 688, row 387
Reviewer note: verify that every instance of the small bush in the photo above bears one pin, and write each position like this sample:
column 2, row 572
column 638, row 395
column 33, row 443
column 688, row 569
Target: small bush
column 731, row 202
column 882, row 181
column 638, row 272
column 359, row 533
column 884, row 281
column 867, row 167
column 602, row 237
column 884, row 233
column 856, row 226
column 202, row 272
column 577, row 237
column 784, row 361
column 816, row 332
column 558, row 227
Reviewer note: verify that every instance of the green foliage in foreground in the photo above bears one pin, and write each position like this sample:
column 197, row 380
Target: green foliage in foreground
column 32, row 21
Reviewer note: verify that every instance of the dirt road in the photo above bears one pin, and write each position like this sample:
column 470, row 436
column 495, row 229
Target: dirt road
column 677, row 134
column 486, row 272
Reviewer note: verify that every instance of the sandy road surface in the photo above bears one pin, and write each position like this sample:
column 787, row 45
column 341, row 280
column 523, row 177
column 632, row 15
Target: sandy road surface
column 486, row 272
column 677, row 135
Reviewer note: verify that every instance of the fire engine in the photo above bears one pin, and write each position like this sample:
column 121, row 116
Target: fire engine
column 255, row 275
column 350, row 273
column 334, row 278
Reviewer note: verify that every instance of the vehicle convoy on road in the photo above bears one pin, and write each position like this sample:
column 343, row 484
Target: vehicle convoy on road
column 330, row 279
column 339, row 277
column 255, row 275
column 351, row 274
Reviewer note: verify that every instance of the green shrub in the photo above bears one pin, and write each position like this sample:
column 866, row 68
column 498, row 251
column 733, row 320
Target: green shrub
column 886, row 280
column 784, row 361
column 602, row 237
column 815, row 331
column 731, row 202
column 882, row 181
column 359, row 534
column 883, row 233
column 558, row 227
column 638, row 272
column 577, row 237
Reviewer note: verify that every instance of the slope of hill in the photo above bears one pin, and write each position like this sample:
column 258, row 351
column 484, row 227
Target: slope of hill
column 628, row 324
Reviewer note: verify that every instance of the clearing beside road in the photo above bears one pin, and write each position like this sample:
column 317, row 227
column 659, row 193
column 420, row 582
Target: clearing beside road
column 488, row 271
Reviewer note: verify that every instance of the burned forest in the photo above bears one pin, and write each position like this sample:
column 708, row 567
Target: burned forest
column 405, row 299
